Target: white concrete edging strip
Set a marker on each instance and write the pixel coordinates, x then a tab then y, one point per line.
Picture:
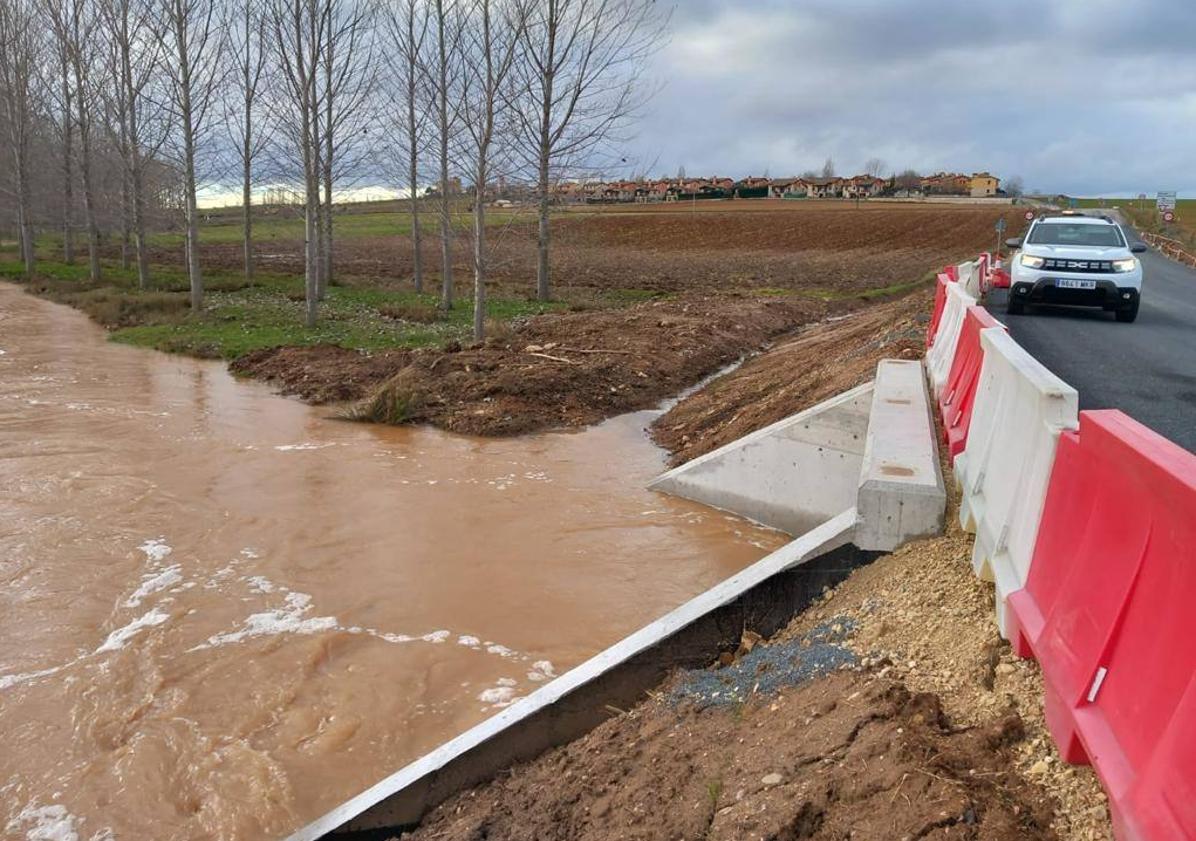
901	493
405	796
1020	409
791	475
942	353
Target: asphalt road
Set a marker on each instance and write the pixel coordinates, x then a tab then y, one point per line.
1146	369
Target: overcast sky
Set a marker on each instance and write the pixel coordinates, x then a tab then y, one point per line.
1085	97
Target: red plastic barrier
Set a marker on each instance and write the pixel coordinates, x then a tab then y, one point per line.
959	393
1108	611
1001	279
952	273
940	303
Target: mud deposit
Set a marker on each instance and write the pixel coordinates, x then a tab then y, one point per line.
223	613
850	755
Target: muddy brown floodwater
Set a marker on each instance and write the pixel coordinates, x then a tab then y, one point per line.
223	612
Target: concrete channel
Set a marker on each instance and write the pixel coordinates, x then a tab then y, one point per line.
850	478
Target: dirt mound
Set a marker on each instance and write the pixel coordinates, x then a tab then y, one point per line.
846	756
321	373
573	369
824	360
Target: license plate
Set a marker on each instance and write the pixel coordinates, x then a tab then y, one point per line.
1069	283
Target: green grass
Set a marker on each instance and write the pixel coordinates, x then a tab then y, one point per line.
237	319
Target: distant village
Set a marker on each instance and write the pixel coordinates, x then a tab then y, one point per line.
908	185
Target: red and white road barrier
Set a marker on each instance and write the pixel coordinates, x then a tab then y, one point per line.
1086	522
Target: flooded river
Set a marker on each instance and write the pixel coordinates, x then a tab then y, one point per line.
222	612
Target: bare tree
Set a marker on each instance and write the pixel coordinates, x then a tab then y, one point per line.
298	27
494	31
61	93
189	33
442	69
19	57
347	68
581	81
75	26
875	167
406	28
1014	187
908	179
248	47
828	168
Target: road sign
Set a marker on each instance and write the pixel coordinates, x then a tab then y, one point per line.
1029	215
1168	216
1166	201
1001	225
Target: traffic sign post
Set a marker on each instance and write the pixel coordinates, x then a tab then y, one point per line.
1000	230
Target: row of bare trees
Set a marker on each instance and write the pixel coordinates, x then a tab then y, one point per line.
315	94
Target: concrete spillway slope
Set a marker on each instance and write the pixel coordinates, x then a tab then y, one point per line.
872	447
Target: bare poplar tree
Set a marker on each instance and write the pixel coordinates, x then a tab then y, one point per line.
61	93
405	30
443	66
248	32
492	35
75	26
188	31
347	69
581	82
19	56
136	55
298	27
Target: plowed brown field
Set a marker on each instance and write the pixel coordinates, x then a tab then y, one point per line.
820	248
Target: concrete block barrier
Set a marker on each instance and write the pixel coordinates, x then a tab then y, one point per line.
901	495
940	301
942	354
1019	410
792	475
959	393
1107	610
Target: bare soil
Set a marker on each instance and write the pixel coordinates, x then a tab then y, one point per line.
828	246
820	361
851	755
575	369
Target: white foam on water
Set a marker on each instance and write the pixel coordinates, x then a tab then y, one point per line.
500	650
288	620
436	636
468	641
9	681
156	549
118	638
51	823
153	583
286	448
500	695
542	670
260	584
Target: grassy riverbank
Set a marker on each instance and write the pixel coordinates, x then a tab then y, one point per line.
238	318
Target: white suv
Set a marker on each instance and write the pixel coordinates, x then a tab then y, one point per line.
1078	261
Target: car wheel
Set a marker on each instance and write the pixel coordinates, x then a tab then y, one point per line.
1015	306
1127	315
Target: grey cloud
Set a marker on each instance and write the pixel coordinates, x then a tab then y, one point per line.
1083	96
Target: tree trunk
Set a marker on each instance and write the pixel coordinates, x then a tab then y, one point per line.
326	228
89	208
543	290
126	199
312	253
247	204
417	235
479	253
24	222
68	181
446	217
192	214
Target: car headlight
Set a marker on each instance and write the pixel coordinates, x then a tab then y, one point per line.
1126	265
1032	262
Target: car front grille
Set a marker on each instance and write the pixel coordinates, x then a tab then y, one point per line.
1089	266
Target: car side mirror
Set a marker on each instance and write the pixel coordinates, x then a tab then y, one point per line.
1014	243
1138	247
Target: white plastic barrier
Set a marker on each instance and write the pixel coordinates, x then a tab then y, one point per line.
969	278
1020	409
942	352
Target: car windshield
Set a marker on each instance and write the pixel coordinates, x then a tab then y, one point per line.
1075	233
